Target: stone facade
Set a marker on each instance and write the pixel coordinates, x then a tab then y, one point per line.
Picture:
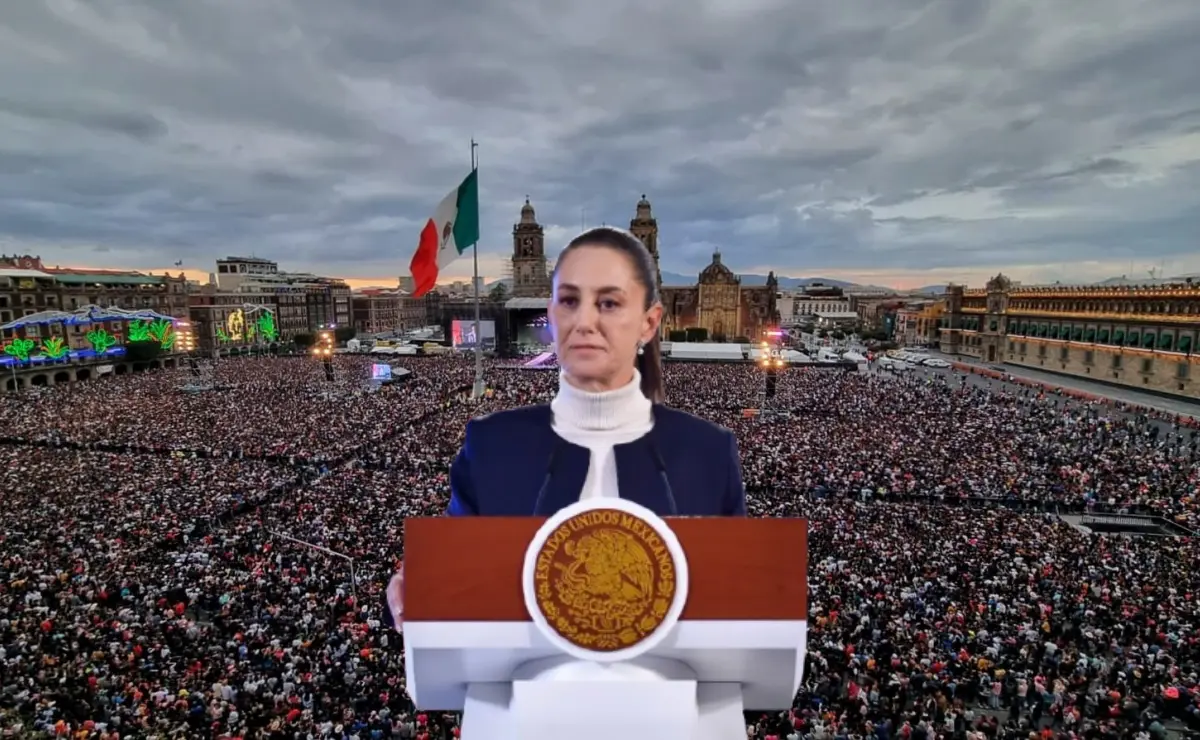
718	302
530	276
645	227
1141	336
376	311
28	287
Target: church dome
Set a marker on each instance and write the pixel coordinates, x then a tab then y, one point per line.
717	272
527	214
643	208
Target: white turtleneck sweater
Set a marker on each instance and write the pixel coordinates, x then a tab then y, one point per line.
599	422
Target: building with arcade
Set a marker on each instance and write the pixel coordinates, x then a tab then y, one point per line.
1137	334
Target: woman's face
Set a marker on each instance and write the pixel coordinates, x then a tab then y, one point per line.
598	316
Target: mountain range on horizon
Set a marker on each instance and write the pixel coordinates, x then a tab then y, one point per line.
675	278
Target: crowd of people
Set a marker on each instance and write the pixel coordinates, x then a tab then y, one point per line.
178	565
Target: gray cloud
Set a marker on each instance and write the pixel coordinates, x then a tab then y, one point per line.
855	136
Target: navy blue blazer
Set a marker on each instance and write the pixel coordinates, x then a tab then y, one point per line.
512	463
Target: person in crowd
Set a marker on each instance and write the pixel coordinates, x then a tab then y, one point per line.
210	565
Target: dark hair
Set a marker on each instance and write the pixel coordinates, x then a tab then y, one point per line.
645	271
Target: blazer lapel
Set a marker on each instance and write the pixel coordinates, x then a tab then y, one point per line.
567	476
567	469
638	477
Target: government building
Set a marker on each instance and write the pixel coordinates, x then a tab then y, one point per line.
718	303
1139	335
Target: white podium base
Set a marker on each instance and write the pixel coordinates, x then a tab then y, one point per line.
556	698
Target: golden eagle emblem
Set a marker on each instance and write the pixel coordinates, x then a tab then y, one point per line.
604	580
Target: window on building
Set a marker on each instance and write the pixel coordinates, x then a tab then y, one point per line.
1147	365
1183	370
1041	350
1089	357
1064	353
1116	362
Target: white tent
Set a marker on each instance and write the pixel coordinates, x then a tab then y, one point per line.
795	357
706	351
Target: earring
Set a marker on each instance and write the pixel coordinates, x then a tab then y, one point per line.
641	348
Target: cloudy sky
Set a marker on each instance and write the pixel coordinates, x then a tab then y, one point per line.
904	142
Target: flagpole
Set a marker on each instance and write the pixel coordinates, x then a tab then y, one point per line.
477	390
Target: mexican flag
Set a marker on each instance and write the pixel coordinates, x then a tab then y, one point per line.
453	229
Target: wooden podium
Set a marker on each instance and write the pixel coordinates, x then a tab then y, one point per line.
471	644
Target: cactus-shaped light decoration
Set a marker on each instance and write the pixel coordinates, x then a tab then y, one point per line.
266	326
162	332
139	331
54	348
100	340
221	335
20	348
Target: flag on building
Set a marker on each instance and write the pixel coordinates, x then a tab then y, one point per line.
452	230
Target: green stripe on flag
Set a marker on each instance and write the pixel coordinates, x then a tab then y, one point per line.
466	221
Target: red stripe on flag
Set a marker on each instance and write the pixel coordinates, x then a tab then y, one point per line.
424	265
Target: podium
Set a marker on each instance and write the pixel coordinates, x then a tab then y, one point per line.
477	641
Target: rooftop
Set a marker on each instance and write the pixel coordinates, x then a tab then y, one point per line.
104	278
17	274
254	260
526	304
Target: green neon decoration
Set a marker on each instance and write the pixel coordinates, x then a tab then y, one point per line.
20	348
101	340
161	332
54	348
266	326
221	335
139	331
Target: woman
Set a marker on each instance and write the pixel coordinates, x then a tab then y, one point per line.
605	434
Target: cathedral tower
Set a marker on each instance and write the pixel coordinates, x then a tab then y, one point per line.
530	278
645	227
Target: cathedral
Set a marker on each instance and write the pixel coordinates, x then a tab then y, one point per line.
718	302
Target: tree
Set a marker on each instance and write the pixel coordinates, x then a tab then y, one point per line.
697	334
741	340
344	334
498	293
677	335
839	335
304	340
